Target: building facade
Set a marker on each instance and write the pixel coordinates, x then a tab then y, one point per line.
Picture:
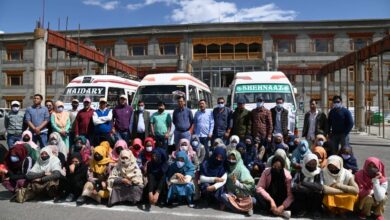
211	52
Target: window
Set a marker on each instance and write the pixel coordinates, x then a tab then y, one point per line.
14	79
368	71
49	53
169	49
70	74
14	54
241	48
193	99
351	74
254	48
332	77
284	45
49	77
113	96
199	48
227	48
213	48
138	49
106	50
322	45
358	43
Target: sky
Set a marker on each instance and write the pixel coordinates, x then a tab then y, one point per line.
21	15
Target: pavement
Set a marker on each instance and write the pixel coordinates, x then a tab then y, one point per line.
363	146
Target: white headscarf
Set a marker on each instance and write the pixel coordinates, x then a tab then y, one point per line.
342	177
49	165
61	144
309	176
233	138
282	153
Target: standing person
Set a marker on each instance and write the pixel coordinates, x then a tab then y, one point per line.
72	116
223	121
121	116
160	126
83	122
102	120
315	122
183	121
373	185
340	124
262	125
50	107
241	120
60	123
13	124
140	122
204	125
280	118
37	118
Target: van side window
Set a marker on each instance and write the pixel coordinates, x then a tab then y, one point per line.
193	99
201	94
113	96
209	100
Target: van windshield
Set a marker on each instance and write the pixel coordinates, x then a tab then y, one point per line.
269	92
168	94
79	93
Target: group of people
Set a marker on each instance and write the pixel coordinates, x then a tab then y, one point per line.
241	160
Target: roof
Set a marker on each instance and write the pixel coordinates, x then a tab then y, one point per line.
105	79
172	78
260	76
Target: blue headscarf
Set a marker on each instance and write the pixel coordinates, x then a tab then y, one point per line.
244	155
300	152
187	169
160	165
212	167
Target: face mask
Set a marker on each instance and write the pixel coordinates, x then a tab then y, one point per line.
310	168
15	109
97	157
179	164
54	142
44	158
259	104
160	110
149	149
184	148
118	150
234	145
372	172
276	172
345	156
278	141
14	159
334	171
75	106
320	143
60	109
221	105
232	161
337	105
26	138
218	162
77	147
194	143
279	146
141	109
137	147
248	145
279	106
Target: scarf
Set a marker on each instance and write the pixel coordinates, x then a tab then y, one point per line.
148	155
114	154
364	181
49	165
212	167
138	142
60	118
218	142
277	187
188	169
309	176
321	152
61	144
99	167
282	153
30	142
342	177
158	166
301	151
190	152
240	171
21	152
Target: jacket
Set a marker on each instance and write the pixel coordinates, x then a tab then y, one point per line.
262	125
321	124
241	123
340	121
13	122
134	123
283	120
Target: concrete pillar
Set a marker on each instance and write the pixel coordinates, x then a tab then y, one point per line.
360	97
324	94
40	38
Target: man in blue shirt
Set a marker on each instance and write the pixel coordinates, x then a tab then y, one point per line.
37	117
204	125
340	124
102	119
182	119
223	121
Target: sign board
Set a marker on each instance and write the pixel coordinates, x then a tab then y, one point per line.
258	88
93	91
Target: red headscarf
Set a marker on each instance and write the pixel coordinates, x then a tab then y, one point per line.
364	181
20	151
120	143
148	155
138	142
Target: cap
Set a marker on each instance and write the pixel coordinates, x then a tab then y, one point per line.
102	100
259	99
241	101
87	100
15	103
123	96
75	100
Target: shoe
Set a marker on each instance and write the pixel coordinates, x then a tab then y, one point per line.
250	212
57	199
316	215
191	205
80	200
301	213
70	198
287	214
380	217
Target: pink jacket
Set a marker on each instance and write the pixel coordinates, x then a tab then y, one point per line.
265	181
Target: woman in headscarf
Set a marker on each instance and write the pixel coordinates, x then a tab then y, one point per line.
184	145
319	141
307	188
349	159
56	139
233	141
340	188
118	147
199	148
179	177
146	155
239	185
99	168
82	146
44	176
280	153
76	177
244	155
298	154
274	189
18	163
218	142
320	152
155	173
125	182
373	184
213	175
60	122
27	139
278	143
137	147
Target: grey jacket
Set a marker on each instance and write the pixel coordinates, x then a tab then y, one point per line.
13	122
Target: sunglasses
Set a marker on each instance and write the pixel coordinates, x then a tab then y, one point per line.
221	102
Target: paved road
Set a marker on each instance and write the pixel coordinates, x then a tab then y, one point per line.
364	146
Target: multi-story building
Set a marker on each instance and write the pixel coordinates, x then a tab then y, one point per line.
212	52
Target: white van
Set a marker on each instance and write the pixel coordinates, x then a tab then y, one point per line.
166	87
268	85
96	87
